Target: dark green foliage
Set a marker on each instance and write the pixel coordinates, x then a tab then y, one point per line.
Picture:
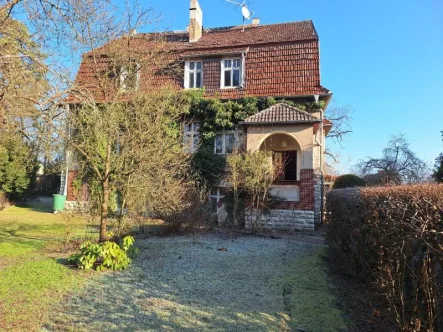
208	166
235	204
348	181
16	165
104	255
438	172
216	114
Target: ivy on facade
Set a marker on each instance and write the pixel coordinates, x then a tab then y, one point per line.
215	114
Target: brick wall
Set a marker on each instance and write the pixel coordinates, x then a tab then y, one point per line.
307	193
72	194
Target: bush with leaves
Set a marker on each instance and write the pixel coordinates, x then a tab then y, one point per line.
250	174
104	255
348	181
16	165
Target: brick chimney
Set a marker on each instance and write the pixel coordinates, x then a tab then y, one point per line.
195	22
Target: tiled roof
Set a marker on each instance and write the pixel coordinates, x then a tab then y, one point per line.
233	36
281	60
281	113
253	35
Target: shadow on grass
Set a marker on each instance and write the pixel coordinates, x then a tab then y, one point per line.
37	206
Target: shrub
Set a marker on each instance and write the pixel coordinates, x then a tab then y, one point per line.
348	181
250	175
194	218
105	255
392	237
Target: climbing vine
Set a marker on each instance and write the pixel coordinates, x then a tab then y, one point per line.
214	115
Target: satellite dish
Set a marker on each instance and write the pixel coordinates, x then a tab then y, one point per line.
245	12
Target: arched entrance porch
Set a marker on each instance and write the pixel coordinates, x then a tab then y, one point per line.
286	156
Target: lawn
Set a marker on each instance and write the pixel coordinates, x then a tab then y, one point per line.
31	276
216	282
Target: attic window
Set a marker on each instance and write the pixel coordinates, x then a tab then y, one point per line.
232	73
193	75
130	76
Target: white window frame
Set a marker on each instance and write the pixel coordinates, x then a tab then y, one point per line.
241	69
218	196
223	133
124	75
188	70
189	135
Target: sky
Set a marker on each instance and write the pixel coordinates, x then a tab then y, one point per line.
383	58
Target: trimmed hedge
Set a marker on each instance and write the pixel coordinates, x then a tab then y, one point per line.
393	238
348	181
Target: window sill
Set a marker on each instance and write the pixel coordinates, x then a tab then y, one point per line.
231	88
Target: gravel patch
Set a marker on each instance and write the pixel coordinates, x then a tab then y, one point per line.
214	283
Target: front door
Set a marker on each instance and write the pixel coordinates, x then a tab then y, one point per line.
285	163
291	165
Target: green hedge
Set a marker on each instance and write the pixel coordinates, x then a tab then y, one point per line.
393	238
348	181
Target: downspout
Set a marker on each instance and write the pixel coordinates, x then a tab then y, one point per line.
321	145
65	189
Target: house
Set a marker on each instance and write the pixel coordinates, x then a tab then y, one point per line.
277	60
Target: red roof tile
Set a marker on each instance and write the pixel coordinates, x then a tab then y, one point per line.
281	113
281	60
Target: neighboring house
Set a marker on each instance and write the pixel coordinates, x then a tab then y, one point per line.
277	60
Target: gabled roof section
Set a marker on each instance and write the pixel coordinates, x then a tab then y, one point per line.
281	113
225	37
254	35
281	60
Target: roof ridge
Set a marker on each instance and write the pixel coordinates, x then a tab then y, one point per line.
228	28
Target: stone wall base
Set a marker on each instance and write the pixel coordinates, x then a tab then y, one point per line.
282	220
75	206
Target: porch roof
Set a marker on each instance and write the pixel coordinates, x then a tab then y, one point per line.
280	113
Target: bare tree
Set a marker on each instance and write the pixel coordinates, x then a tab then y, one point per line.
397	165
340	117
125	131
251	173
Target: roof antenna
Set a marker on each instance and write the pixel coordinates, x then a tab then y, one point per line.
244	10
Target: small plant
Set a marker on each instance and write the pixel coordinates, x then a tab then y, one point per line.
105	255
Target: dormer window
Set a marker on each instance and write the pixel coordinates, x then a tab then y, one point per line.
193	75
231	73
130	76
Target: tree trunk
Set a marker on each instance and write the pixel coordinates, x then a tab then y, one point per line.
105	200
104	210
